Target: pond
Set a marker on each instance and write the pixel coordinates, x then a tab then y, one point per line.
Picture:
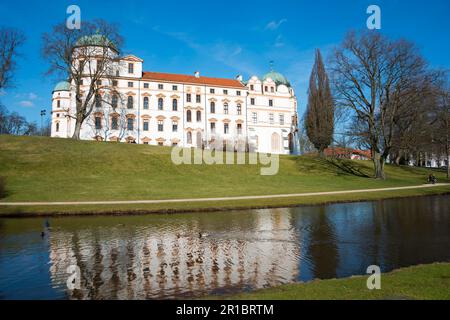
198	254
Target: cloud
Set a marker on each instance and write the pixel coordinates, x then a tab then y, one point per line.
274	25
32	96
279	42
26	103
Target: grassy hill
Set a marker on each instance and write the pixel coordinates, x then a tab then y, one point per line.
44	169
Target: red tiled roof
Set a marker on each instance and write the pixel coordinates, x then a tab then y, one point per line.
182	78
338	151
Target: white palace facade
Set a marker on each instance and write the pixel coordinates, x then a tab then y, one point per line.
184	110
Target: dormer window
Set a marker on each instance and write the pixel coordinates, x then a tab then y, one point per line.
272	89
266	89
252	87
130	68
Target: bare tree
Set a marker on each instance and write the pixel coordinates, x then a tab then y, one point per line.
88	57
319	120
378	80
10	40
441	124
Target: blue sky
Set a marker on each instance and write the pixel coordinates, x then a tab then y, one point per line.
221	38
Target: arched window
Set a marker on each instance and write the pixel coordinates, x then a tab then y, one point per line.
213	107
98	101
199	116
225	108
57	127
239	109
114	101
130	102
189	137
174	104
189	116
145	102
276	143
58	104
160	103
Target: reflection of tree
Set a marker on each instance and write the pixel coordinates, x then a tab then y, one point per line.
323	250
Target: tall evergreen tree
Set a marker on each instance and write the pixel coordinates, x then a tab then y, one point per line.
319	119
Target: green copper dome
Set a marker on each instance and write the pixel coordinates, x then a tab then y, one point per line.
62	86
95	40
278	78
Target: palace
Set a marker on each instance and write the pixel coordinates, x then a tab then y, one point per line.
185	110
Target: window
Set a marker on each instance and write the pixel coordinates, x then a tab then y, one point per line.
198	99
114	123
225	108
99	64
99	82
271	120
189	137
130	102
114	101
174	126
160	104
199	116
226	128
238	93
130	124
272	89
188	97
130	84
81	82
212	107
225	91
213	127
239	109
174	104
252	87
57	127
145	103
281	119
98	123
160	143
115	83
117	73
160	86
98	101
174	88
58	104
57	115
239	128
130	68
266	89
254	117
160	125
189	116
252	101
270	103
146	85
145	125
212	91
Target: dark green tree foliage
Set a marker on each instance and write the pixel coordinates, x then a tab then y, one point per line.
319	118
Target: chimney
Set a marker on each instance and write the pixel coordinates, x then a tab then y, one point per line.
239	77
197	74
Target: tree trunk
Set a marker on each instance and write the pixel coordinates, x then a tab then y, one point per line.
378	162
76	133
322	154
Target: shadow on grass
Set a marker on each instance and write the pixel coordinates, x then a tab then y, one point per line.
3	192
348	167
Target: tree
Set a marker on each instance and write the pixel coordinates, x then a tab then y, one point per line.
88	57
319	120
441	123
10	40
378	80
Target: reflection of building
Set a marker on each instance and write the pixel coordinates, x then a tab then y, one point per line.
174	109
145	262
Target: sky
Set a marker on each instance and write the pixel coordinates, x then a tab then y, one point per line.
221	38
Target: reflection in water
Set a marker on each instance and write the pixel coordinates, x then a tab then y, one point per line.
189	255
175	259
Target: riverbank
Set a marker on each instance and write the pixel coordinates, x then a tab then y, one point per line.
421	282
39	169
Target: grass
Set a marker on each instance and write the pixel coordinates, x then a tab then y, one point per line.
422	282
43	169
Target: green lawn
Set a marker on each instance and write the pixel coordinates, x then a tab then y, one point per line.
44	169
419	282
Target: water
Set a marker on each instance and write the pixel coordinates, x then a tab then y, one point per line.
192	255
